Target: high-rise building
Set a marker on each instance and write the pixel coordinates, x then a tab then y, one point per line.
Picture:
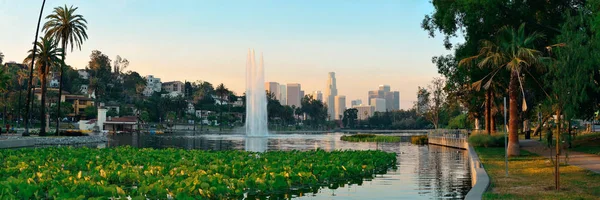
396	104
364	111
392	98
283	94
293	94
355	102
301	96
330	93
317	95
340	106
378	104
384	88
273	89
372	94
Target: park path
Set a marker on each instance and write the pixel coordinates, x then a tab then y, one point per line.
584	160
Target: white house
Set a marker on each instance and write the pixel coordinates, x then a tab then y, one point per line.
153	85
83	74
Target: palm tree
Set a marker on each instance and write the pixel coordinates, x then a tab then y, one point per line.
513	50
68	28
47	55
223	93
1	58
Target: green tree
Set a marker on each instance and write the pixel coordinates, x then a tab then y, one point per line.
222	92
47	56
67	28
350	116
90	112
65	109
99	69
514	51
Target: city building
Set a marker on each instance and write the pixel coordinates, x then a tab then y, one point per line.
396	99
330	94
283	94
340	106
293	94
384	88
301	95
392	98
378	104
152	85
317	95
273	89
174	88
364	111
355	102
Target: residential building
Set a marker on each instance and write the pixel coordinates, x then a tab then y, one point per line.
317	95
293	94
174	88
152	85
80	103
355	103
283	94
340	106
378	104
330	93
273	89
83	89
120	124
364	111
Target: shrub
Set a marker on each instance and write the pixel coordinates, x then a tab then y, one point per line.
419	140
484	140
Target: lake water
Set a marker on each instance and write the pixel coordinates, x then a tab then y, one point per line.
423	172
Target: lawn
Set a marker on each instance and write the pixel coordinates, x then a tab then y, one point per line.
588	143
83	173
531	177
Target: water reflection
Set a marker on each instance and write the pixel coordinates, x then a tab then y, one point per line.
423	172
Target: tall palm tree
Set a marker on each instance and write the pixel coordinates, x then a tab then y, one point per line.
514	51
223	93
70	29
47	55
1	58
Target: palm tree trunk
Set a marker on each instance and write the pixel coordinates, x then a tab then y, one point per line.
29	99
43	105
60	84
487	112
513	123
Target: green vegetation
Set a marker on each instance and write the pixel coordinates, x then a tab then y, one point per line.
419	140
369	138
589	143
485	140
531	175
53	173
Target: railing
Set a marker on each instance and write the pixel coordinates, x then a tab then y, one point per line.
448	133
455	138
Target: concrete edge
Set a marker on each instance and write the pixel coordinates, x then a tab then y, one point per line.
480	180
10	144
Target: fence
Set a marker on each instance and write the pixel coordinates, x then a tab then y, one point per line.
456	138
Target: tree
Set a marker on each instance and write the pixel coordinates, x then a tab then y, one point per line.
350	116
99	68
4	80
1	58
513	50
67	28
47	55
222	92
65	109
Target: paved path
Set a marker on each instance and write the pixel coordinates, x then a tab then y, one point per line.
584	160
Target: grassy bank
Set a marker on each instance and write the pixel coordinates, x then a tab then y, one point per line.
588	143
531	177
66	173
369	138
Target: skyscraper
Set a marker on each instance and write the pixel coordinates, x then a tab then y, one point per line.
293	94
301	95
330	93
392	98
317	95
379	104
355	102
384	88
283	94
396	104
340	106
373	94
273	89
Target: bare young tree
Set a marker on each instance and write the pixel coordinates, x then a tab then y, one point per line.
431	100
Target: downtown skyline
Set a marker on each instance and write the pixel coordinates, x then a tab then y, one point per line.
376	48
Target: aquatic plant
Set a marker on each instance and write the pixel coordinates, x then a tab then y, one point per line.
84	173
369	138
419	140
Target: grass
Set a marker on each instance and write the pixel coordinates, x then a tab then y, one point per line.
531	177
370	138
588	143
83	173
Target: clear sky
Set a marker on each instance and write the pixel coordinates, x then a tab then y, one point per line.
367	43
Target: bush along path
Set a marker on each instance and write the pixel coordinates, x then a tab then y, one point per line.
83	173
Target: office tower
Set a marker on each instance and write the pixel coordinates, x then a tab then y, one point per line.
340	106
317	95
378	104
355	102
384	88
330	93
389	100
396	104
293	94
372	94
364	111
283	94
301	96
273	89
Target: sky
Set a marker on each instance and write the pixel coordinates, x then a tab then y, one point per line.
366	43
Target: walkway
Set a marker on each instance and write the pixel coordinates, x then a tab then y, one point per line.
584	160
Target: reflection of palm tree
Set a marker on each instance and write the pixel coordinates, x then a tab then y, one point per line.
513	51
67	28
47	55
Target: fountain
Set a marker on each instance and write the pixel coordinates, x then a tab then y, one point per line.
256	98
